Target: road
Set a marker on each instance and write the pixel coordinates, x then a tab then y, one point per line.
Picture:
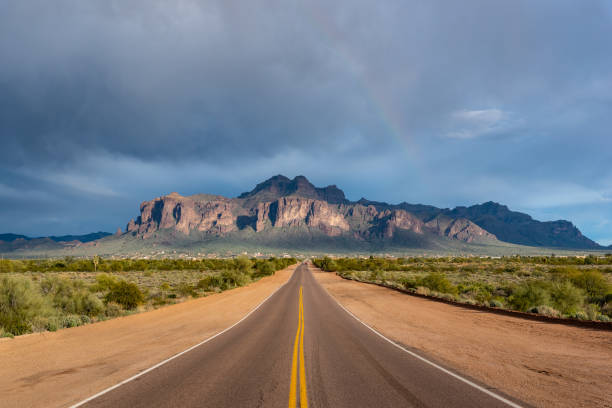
299	348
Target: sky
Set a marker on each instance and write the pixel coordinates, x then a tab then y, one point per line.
105	104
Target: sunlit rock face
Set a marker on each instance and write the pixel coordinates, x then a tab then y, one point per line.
281	205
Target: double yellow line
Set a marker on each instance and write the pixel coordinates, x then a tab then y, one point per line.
299	341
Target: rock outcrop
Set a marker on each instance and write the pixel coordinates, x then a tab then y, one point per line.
281	204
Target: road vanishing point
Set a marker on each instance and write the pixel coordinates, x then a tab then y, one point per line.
299	348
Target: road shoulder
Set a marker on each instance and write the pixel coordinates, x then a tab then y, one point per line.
548	365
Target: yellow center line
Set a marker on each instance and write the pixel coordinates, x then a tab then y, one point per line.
298	343
303	395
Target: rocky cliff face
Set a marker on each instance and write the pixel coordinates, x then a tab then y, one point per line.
284	204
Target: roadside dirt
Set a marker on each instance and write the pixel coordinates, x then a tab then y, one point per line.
544	364
62	368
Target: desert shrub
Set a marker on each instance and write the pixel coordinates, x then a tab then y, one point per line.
71	321
438	283
408	283
592	311
232	279
327	264
185	290
210	282
607	309
546	311
446	296
479	291
112	309
243	264
71	296
53	324
529	295
495	303
126	294
4	333
579	315
263	269
565	297
422	290
104	282
592	282
376	275
20	303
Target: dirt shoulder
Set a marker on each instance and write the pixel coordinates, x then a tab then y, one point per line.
544	364
64	367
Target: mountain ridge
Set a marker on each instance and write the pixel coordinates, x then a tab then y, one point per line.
293	214
280	202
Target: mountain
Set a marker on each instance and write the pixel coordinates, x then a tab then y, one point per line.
13	242
292	214
298	208
519	228
63	238
282	206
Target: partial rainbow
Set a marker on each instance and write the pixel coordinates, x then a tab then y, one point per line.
385	109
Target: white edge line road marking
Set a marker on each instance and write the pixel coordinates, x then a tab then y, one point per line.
431	363
85	401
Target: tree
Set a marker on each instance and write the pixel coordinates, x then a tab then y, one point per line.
96	262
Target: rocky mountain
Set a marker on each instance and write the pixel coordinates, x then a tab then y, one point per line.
283	205
293	214
519	228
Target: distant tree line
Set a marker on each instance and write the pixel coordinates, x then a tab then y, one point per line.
98	264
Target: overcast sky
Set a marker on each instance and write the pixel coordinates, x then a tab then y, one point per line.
104	104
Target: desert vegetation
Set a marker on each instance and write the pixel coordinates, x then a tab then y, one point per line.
49	294
569	287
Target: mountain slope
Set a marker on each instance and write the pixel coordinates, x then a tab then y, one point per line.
519	228
282	204
293	214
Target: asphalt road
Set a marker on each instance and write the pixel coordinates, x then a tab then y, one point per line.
300	348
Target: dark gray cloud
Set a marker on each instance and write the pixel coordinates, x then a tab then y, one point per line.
107	103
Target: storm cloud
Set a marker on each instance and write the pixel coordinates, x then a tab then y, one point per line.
104	104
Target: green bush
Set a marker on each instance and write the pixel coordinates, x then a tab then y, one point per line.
71	296
71	321
126	294
546	311
326	264
232	279
496	303
212	282
593	282
565	297
263	269
112	310
529	295
243	264
438	282
20	303
185	290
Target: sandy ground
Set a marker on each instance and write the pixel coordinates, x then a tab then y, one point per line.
62	368
547	365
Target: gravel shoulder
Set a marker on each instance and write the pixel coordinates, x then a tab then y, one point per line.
544	364
64	367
